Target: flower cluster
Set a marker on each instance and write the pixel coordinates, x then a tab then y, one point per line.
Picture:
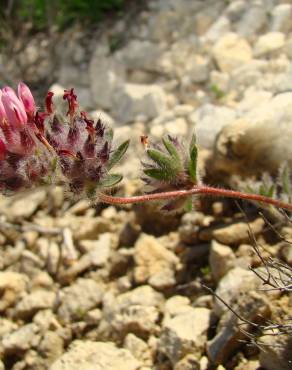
44	147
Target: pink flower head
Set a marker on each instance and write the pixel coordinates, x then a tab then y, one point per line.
2	110
27	99
14	108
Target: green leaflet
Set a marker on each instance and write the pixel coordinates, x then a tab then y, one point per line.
170	147
285	179
118	154
111	180
193	159
165	162
158	174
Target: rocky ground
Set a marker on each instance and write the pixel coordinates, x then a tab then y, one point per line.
94	287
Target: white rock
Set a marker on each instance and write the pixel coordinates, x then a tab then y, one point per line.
26	205
136	311
78	298
217	30
197	68
281	18
21	339
35	301
154	263
231	51
268	43
133	99
141	54
274	357
209	120
232	285
87	355
12	285
252	20
185	333
106	74
221	259
138	348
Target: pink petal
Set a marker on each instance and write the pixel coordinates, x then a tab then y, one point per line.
14	108
26	97
2	110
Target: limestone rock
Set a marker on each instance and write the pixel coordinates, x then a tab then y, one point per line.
136	311
106	75
25	206
138	348
132	100
230	51
281	18
154	263
230	330
264	131
78	298
233	234
276	354
51	346
268	43
87	355
33	302
141	55
221	259
21	339
12	285
233	285
209	121
185	333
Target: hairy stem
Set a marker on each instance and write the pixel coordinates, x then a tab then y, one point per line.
196	190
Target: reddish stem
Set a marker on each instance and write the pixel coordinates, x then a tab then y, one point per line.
199	189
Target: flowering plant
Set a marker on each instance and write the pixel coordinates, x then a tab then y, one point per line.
45	147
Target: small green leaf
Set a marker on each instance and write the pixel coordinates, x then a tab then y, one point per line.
158	174
163	161
170	147
188	206
193	159
286	185
270	191
111	180
118	154
263	190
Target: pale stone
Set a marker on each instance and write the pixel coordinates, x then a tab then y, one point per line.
281	18
12	285
231	51
78	298
35	301
88	355
221	259
154	263
184	333
268	43
106	75
133	99
209	120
